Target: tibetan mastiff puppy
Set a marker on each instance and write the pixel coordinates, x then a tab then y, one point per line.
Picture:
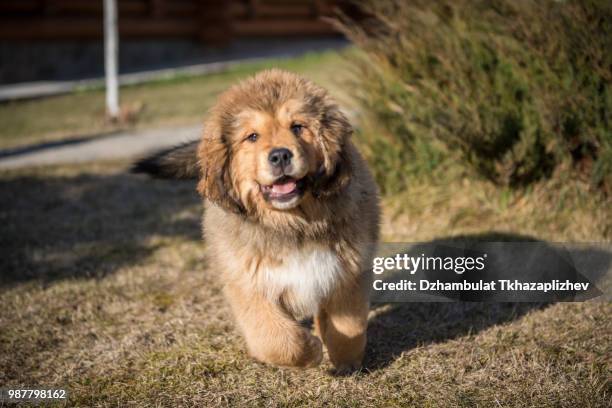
291	217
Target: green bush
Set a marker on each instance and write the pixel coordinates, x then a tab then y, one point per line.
516	90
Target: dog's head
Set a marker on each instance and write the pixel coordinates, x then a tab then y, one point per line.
271	142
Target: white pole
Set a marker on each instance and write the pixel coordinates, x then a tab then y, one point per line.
111	57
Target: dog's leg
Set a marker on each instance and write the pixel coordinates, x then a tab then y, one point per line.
272	335
342	325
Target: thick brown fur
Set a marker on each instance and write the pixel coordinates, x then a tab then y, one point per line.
279	262
178	162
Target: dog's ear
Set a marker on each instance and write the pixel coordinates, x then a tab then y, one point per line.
214	158
334	134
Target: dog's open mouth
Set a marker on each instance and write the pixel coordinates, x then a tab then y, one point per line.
283	189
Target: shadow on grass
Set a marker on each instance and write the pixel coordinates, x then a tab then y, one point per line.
404	326
88	225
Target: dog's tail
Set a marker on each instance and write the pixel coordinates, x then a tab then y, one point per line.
178	162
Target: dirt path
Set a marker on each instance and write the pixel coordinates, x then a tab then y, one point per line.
118	145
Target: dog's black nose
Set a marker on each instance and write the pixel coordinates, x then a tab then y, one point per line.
280	157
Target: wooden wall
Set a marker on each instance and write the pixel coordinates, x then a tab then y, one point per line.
210	21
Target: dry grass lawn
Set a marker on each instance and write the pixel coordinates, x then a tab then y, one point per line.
181	100
104	292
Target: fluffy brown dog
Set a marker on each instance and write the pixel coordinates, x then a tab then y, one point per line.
291	217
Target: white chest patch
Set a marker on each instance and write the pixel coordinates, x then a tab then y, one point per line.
307	277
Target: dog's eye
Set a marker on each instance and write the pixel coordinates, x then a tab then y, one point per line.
252	137
296	129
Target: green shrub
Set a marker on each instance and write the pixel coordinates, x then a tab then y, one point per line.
516	90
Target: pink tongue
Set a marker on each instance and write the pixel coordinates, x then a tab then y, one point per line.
284	188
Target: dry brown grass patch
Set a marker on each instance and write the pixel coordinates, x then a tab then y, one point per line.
104	292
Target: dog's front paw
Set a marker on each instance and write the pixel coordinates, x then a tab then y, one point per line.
295	349
347	359
346	367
